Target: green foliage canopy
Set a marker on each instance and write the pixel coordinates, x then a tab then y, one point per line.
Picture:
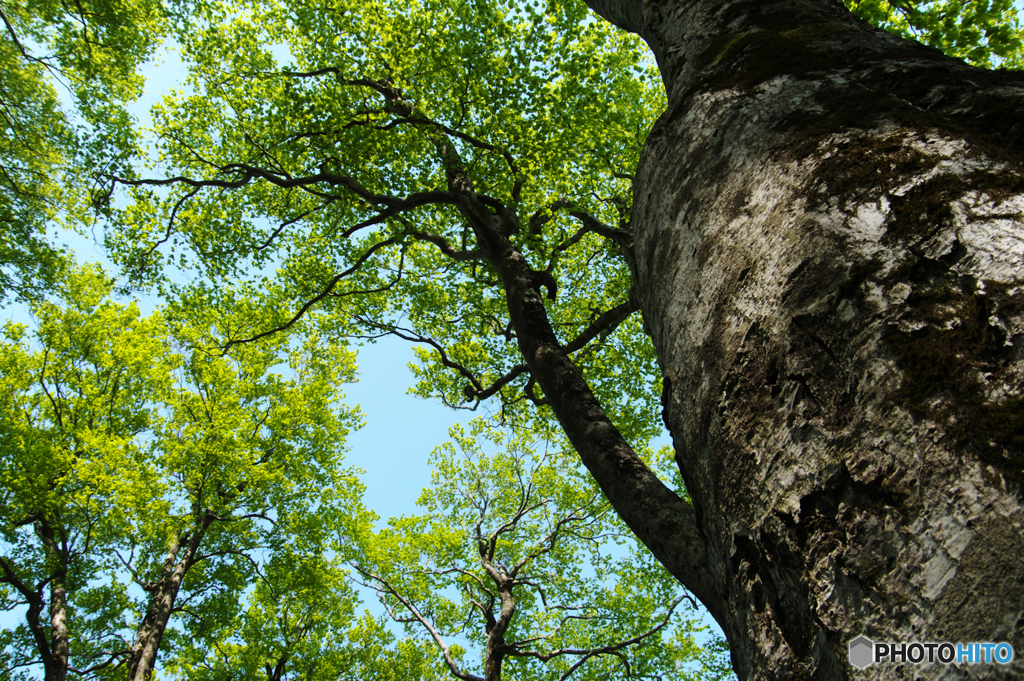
130	454
90	50
313	151
985	33
299	622
519	556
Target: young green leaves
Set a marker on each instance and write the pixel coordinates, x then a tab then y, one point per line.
148	478
519	564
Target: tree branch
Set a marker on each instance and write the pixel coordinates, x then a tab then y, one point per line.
603	325
591	224
395	103
434	634
474	392
315	299
587	653
115	656
146	586
445	247
663	521
413	337
544	215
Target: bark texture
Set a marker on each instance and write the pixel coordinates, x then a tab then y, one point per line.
830	261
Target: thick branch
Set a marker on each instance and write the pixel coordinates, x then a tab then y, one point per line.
546	214
604	324
626	14
35	608
445	247
665	523
592	224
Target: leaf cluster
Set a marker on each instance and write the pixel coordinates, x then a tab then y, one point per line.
985	33
124	438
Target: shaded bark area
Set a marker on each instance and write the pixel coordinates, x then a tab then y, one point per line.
830	261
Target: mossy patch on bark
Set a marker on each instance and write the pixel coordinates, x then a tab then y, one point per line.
746	59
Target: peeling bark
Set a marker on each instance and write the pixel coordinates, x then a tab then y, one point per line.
829	228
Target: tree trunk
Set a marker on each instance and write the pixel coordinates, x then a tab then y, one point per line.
830	248
57	653
60	650
55	667
494	655
180	558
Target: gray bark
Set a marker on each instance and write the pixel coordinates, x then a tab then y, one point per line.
830	248
54	657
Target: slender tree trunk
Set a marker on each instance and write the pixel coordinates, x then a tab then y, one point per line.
56	657
181	556
54	667
830	261
60	648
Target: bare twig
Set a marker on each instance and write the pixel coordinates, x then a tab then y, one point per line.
417	616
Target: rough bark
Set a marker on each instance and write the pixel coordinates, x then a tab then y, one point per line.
829	246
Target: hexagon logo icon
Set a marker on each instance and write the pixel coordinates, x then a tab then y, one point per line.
861	652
